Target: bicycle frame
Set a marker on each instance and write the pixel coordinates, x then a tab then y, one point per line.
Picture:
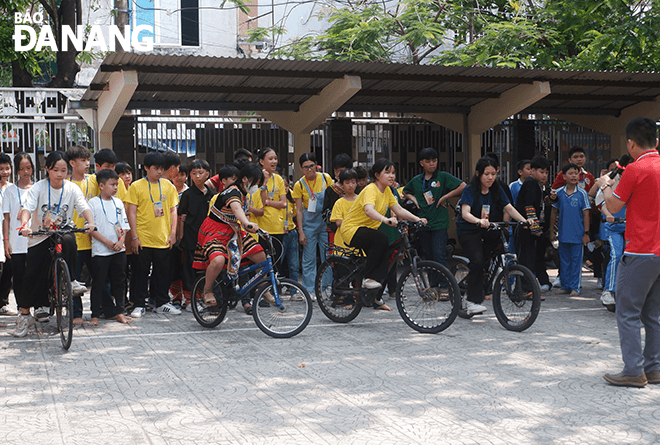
264	268
499	262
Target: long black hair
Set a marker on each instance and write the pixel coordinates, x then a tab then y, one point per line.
475	182
251	172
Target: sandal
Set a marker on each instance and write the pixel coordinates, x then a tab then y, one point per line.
248	309
209	301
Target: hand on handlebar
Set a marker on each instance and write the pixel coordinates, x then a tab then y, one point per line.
252	228
483	223
609	219
392	221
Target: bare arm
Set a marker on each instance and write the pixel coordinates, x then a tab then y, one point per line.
458	191
242	217
5	232
402	213
585	238
553	220
412	198
171	240
132	222
299	221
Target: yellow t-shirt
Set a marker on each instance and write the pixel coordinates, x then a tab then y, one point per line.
273	219
300	191
339	212
90	190
153	231
357	218
254	200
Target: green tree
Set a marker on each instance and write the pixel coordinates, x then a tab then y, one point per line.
567	34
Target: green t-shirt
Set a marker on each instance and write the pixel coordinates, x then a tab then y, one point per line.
439	185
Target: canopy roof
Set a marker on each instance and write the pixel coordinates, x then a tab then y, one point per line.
179	82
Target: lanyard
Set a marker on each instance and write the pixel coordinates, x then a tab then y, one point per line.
59	203
482	199
424	182
160	192
116	212
312	196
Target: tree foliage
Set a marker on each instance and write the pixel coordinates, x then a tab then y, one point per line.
566	34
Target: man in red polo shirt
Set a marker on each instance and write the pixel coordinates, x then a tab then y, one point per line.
638	278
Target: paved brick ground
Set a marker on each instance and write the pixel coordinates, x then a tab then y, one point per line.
166	380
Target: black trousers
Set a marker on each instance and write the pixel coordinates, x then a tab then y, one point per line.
476	246
12	275
531	254
375	244
37	280
114	268
188	274
158	262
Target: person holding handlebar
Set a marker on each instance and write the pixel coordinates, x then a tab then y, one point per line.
360	227
481	198
50	204
222	238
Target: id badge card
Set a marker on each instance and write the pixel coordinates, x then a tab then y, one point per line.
158	209
485	211
428	195
311	206
271	195
286	224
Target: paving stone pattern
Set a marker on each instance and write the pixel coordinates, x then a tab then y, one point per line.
166	380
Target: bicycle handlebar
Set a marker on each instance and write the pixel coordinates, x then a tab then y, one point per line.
402	224
506	224
62	231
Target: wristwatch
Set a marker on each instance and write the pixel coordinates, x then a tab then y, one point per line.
604	186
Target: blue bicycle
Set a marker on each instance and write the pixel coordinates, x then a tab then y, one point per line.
282	308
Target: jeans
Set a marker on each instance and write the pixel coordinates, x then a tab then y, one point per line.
291	244
433	245
637	303
314	239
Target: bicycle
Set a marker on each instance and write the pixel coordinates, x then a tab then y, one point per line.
60	294
516	292
278	320
427	295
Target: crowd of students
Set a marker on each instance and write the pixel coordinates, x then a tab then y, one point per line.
155	235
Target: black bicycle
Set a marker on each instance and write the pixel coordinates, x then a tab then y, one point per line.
427	295
59	292
516	292
282	307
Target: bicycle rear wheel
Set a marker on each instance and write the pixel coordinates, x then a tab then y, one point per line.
340	300
516	298
433	306
207	316
289	319
64	303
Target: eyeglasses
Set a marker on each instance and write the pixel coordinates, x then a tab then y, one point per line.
309	167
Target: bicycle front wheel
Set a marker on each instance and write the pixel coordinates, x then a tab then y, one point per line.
516	298
289	319
64	305
339	300
428	302
207	315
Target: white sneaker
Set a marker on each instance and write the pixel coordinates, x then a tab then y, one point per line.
6	310
368	283
557	282
77	288
138	312
545	288
42	314
168	308
607	298
474	308
23	322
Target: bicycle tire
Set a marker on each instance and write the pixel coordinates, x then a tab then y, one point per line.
64	305
207	316
437	308
290	319
517	304
340	301
460	269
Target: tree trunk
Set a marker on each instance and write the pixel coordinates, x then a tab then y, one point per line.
121	19
67	67
19	76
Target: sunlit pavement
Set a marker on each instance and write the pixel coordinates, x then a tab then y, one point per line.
166	380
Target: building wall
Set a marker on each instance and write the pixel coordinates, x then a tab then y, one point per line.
217	27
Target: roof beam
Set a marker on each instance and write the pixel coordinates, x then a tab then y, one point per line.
397	76
211	105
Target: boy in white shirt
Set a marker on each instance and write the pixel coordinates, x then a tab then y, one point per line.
108	252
